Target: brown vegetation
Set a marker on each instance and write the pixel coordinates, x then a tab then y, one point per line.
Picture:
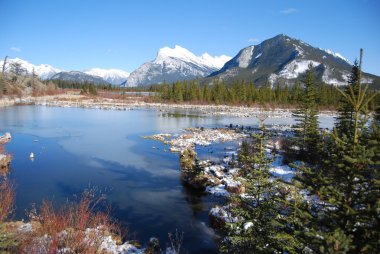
7	197
76	226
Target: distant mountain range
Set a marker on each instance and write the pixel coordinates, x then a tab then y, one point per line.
96	75
283	59
78	76
280	59
172	64
112	76
44	71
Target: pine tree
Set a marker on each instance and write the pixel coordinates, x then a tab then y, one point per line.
258	228
345	118
344	216
306	130
207	93
177	92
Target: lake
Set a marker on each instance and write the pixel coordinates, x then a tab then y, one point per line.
76	148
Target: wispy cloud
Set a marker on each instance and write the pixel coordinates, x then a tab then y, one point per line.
253	40
289	11
15	49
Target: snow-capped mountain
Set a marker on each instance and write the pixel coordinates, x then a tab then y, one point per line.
282	59
78	76
172	64
44	71
112	76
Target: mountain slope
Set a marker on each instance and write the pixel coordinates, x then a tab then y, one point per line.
77	76
172	64
284	59
43	71
112	76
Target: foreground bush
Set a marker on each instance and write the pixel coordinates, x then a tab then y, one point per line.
7	197
76	227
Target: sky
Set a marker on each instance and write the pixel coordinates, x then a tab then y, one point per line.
78	35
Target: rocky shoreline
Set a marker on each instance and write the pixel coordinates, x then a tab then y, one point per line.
80	101
222	179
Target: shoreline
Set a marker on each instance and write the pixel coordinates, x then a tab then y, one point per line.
79	101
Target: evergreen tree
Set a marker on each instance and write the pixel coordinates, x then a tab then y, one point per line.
345	119
92	89
306	130
257	227
207	93
344	217
177	92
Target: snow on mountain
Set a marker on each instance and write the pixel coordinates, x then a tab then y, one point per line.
284	60
172	64
112	76
296	67
328	51
216	61
245	57
78	76
44	71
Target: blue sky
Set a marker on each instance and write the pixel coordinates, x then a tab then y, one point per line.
77	35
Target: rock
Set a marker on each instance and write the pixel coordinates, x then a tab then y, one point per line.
236	189
234	186
5	138
220	215
153	246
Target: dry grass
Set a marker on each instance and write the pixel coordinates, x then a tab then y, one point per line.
76	226
7	198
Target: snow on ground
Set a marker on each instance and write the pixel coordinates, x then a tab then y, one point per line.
109	245
219	190
223	213
247	225
278	168
196	136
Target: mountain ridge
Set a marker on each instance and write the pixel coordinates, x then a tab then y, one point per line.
173	64
78	76
280	59
284	59
46	71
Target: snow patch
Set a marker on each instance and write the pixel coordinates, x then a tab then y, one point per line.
247	225
245	57
296	67
337	55
219	190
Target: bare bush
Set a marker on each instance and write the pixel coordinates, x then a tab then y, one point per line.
175	241
7	198
76	226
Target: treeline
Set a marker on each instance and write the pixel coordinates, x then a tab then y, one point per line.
244	93
79	85
106	87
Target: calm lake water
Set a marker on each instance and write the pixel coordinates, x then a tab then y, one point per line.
76	148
